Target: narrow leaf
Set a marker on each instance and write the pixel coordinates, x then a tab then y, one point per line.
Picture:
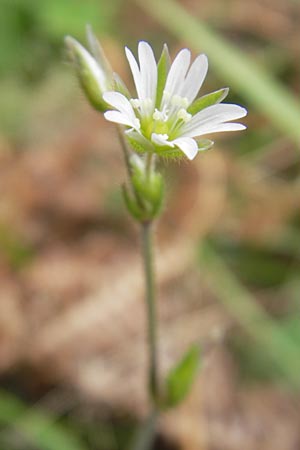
181	378
36	426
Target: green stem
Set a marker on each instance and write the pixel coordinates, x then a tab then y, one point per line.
125	149
146	435
147	247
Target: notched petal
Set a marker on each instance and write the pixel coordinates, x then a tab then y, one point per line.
195	78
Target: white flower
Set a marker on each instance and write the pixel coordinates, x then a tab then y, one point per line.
165	117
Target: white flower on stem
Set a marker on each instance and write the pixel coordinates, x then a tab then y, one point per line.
166	117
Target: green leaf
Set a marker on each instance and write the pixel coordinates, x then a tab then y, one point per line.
13	248
278	346
208	100
162	72
36	426
181	377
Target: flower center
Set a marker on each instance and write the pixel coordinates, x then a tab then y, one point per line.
166	121
183	115
143	107
173	114
179	101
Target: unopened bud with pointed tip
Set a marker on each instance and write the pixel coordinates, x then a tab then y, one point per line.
94	75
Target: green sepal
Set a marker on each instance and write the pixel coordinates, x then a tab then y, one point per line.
180	379
91	88
132	205
204	144
139	143
208	100
162	73
150	191
90	74
145	198
135	144
120	86
148	188
156	193
169	152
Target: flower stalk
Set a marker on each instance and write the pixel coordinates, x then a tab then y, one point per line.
147	252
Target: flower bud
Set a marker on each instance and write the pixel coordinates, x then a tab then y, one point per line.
137	164
145	202
94	75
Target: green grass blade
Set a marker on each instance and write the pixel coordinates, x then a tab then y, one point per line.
276	344
38	427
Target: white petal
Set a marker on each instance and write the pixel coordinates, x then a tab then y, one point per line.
187	145
229	126
135	72
119	101
176	74
118	117
148	71
161	139
195	78
212	116
123	105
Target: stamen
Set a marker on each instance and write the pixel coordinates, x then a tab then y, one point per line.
177	100
137	123
185	102
146	106
147	103
184	115
135	102
161	139
167	95
160	115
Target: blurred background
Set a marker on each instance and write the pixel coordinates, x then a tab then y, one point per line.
72	343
